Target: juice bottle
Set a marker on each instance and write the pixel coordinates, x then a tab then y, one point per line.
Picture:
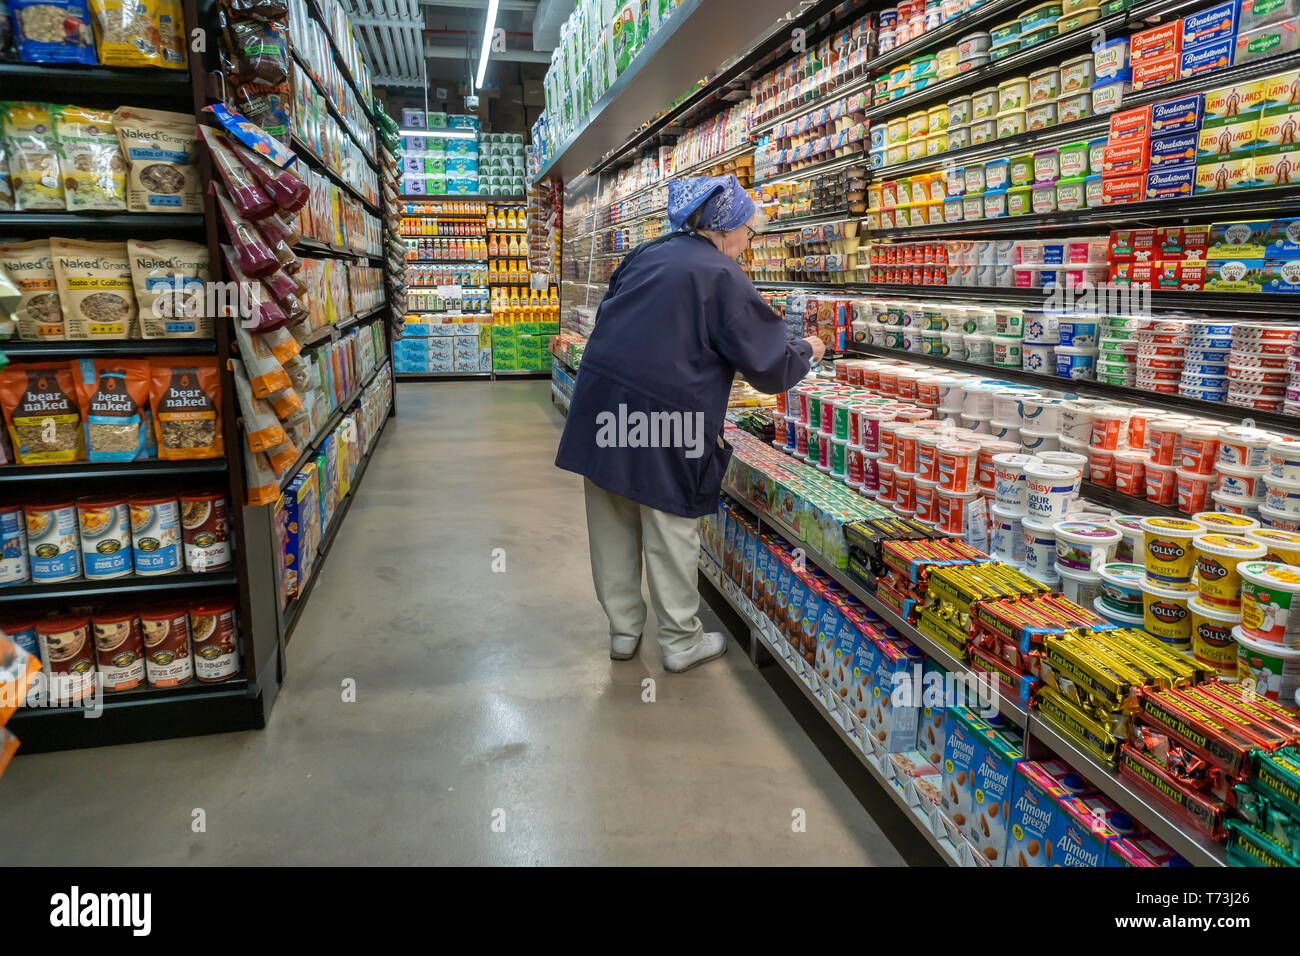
491	219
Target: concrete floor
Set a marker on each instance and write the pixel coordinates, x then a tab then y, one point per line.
481	697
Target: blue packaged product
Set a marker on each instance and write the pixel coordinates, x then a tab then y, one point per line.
1169	152
1282	239
1180	115
1171	183
75	45
1096	149
1208	57
1211	25
1282	275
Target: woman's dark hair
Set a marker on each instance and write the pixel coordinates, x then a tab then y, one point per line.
693	220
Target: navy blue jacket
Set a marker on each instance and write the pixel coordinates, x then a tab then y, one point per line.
677	323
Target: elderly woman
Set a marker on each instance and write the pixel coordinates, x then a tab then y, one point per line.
644	429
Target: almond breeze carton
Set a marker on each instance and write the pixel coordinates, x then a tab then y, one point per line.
998	751
1039	787
894	711
932	731
1084	829
961	750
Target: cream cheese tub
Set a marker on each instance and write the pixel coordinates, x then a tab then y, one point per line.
1117	618
1270	612
1081	587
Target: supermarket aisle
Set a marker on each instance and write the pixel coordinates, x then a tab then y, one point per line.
481	695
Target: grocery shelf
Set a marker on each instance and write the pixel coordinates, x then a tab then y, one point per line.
129	471
293	609
115	225
330	333
693	41
722	157
759	626
308	156
319	17
1079	386
324	248
438	376
18	349
522	373
153	585
821	218
1191	846
1232	204
333	109
312	448
1127	504
857	157
105	84
454	197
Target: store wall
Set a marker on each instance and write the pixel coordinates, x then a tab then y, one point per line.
510	100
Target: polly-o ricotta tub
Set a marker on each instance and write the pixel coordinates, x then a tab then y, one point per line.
1165	615
1282	547
1167	550
1212	640
1217	559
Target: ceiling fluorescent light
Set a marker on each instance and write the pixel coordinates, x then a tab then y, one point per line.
487	42
446	133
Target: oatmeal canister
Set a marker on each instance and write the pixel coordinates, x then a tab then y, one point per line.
205	529
13	546
52	548
156	535
119	650
68	653
1167	551
168	659
213	633
105	525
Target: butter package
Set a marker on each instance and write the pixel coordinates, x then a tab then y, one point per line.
1125	156
1211	25
993	768
1282	276
1155	71
1225	175
1223	142
1157	41
1231	103
1282	92
1184	276
1245	239
1281	239
1179	115
1277	131
1110	59
1038	788
1236	275
1267	41
1208	57
1170	152
1277	169
1131	124
1123	189
1258	13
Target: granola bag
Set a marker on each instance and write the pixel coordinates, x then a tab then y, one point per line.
128	32
33	157
6	187
90	158
170	278
185	395
94	280
114	395
260	479
42	413
161	150
53	31
30	266
171	25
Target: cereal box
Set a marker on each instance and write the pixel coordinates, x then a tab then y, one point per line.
1038	787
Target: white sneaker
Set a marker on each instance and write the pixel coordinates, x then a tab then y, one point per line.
623	648
709	647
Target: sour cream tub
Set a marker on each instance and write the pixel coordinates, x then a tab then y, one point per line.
1282	496
1270	670
1121	587
1167	550
1010	482
958	466
1110	428
958	514
1076	420
1049	491
1245	447
1212	640
1006	536
1270	609
1284	460
1033	441
1076	362
926	499
1243	482
1081	544
1161	483
1040	550
1193	490
1282	547
1165	615
1040	413
1081	587
1237	505
1101	467
986	470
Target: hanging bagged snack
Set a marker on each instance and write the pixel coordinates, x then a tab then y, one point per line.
94	282
255	259
282	456
161	151
33	157
170	277
244	192
257	308
114	394
171	26
127	32
42	413
53	31
264	371
282	345
185	395
262	429
288	407
90	158
30	266
283	185
260	479
16	670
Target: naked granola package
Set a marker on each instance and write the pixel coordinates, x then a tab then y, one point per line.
90	159
161	150
94	281
30	266
42	413
170	278
185	395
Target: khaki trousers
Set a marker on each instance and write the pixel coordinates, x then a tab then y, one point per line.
620	533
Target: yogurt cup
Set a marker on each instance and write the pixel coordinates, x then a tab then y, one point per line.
1217	560
1193	490
1121	587
1167	551
1282	496
1165	615
1270	670
1117	618
1223	523
1081	587
1010	482
1212	641
1006	536
1270	610
1049	490
1245	447
1040	550
1131	544
1239	481
1081	544
1282	547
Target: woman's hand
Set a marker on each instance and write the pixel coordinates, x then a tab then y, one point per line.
818	348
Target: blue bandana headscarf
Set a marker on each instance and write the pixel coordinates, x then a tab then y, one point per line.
724	202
